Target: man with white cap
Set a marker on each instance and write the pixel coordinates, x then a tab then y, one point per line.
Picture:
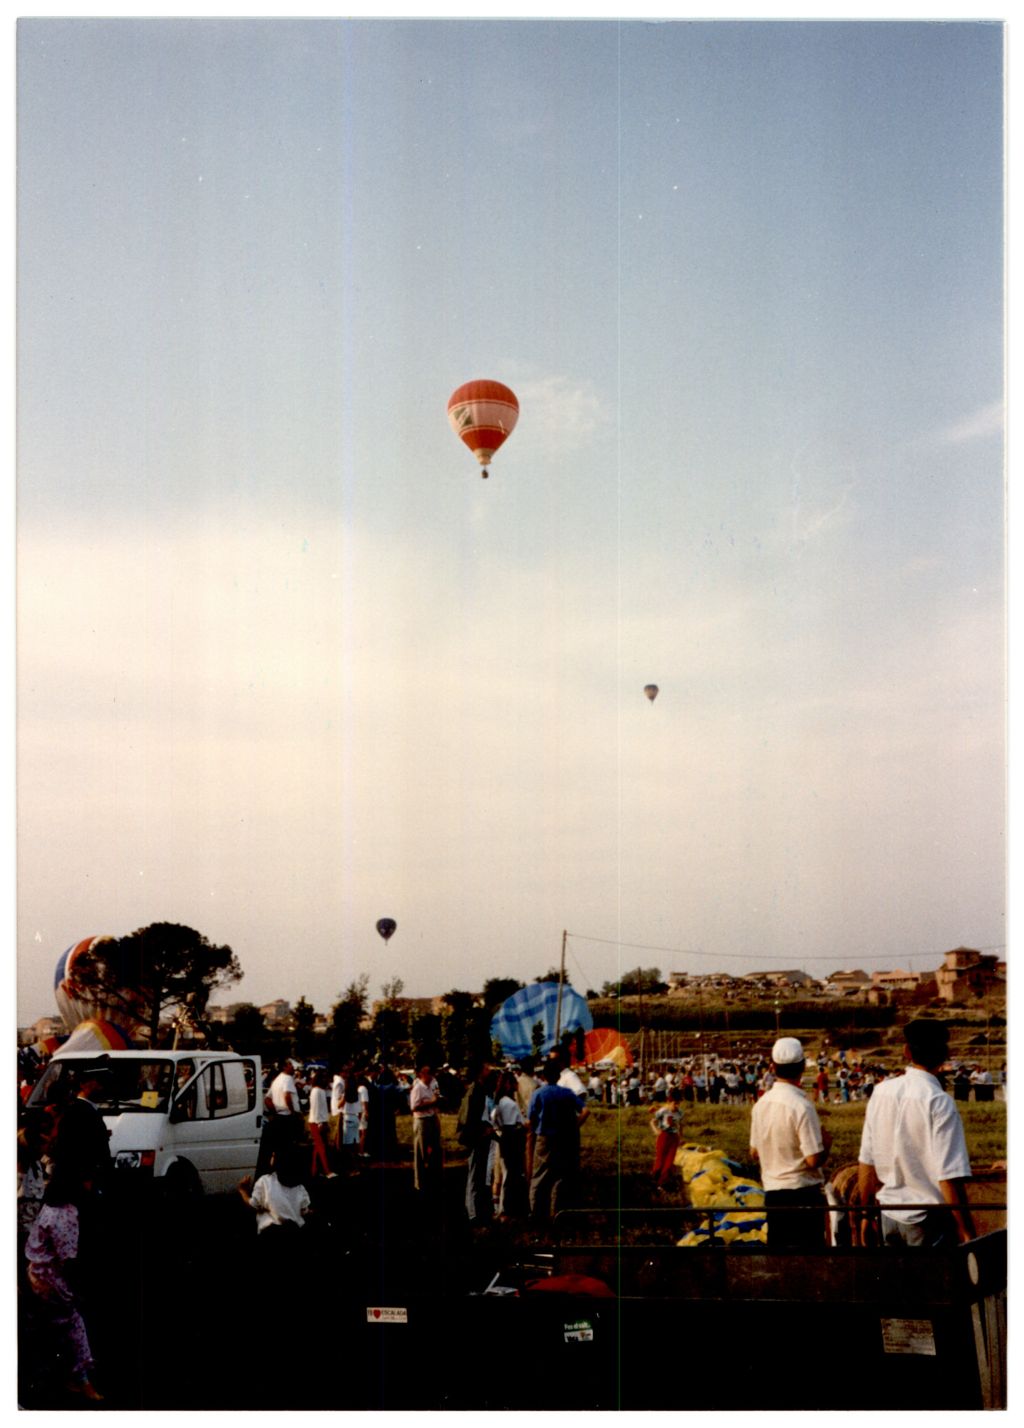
787	1140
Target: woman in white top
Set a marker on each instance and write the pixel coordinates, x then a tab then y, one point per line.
337	1101
353	1117
319	1116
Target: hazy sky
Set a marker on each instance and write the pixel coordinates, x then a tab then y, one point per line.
287	665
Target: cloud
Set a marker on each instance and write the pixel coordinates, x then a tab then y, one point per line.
808	521
564	412
986	421
278	731
922	565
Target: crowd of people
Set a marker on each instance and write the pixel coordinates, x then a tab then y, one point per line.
520	1127
519	1124
836	1078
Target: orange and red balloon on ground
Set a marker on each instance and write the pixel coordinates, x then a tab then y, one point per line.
606	1044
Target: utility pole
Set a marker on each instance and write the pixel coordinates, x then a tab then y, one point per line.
643	1038
561	983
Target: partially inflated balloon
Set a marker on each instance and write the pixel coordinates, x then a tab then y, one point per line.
88	986
514	1023
98	1035
483	414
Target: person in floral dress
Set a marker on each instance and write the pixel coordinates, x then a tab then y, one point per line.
51	1252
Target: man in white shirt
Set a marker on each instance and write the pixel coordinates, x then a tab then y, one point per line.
283	1092
984	1087
567	1076
913	1150
424	1101
282	1126
788	1142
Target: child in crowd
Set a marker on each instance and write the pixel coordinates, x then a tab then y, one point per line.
667	1123
280	1199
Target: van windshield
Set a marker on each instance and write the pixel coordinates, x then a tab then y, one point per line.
130	1085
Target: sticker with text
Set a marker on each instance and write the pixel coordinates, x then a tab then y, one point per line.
579	1332
908	1336
387	1316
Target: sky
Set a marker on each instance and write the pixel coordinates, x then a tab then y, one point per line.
286	665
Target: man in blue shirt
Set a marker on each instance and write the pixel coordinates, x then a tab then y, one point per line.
553	1144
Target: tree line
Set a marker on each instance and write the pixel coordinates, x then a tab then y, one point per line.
162	976
397	1034
160	979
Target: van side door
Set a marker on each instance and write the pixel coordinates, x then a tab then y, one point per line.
217	1122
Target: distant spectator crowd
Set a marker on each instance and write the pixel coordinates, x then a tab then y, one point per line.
835	1078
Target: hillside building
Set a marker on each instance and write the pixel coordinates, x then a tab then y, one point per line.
839	983
967	973
792	978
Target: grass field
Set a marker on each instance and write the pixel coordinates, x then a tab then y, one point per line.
618	1145
625	1141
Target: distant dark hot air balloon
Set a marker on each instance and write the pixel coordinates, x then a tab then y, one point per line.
483	414
386	927
651	690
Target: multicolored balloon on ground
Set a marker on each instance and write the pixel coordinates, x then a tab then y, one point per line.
98	1035
79	995
483	414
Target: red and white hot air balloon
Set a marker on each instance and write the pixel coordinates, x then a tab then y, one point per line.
483	414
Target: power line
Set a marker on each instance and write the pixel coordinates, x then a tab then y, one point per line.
583	976
773	957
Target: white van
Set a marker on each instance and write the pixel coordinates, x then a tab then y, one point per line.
188	1120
